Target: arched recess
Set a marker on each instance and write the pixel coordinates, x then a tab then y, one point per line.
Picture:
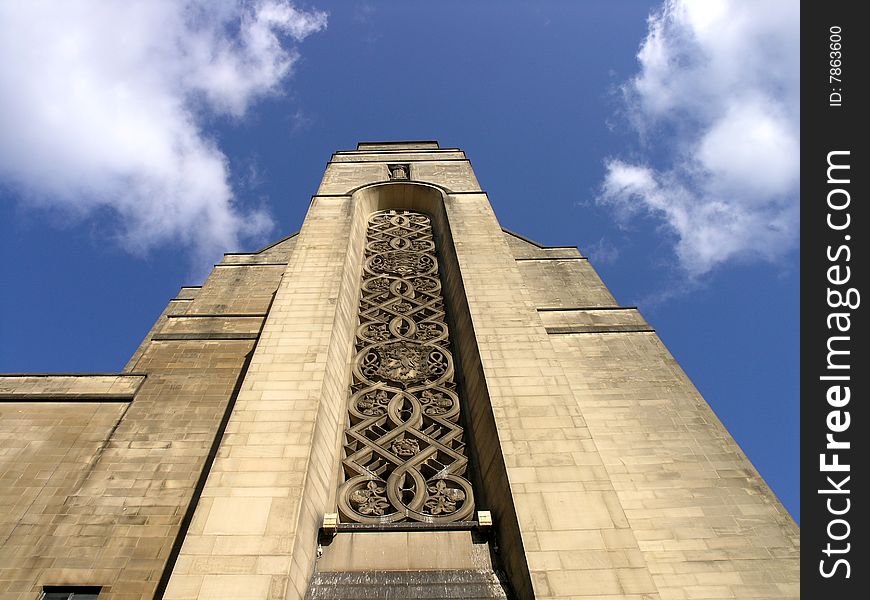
488	474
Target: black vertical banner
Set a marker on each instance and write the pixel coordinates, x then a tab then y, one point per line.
834	301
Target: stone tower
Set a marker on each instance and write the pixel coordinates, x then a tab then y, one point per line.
403	400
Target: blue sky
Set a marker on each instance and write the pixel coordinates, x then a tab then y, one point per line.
142	139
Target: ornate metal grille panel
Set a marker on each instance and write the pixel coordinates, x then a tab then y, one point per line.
404	449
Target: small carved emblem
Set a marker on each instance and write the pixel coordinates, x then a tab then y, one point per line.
377	332
398	172
406	447
401	307
436	403
373	403
443	499
379	285
370	501
423	284
402	361
427	331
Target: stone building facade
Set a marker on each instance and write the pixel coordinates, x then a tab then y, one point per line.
342	413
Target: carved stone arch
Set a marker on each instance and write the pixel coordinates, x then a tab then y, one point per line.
419	197
411	189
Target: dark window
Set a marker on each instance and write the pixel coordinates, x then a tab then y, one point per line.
70	592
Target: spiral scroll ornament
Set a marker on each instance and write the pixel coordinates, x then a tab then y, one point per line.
404	454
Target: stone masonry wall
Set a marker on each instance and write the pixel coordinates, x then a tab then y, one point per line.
97	474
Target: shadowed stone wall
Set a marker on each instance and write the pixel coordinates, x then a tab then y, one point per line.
99	471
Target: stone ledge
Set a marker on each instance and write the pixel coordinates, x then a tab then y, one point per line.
464	584
250	264
598	329
400	551
593	320
65	387
209	326
535	258
396	145
406	156
167	337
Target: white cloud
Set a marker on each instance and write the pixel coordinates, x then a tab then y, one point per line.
717	105
102	105
602	252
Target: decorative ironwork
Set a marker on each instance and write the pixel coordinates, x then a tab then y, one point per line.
404	449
